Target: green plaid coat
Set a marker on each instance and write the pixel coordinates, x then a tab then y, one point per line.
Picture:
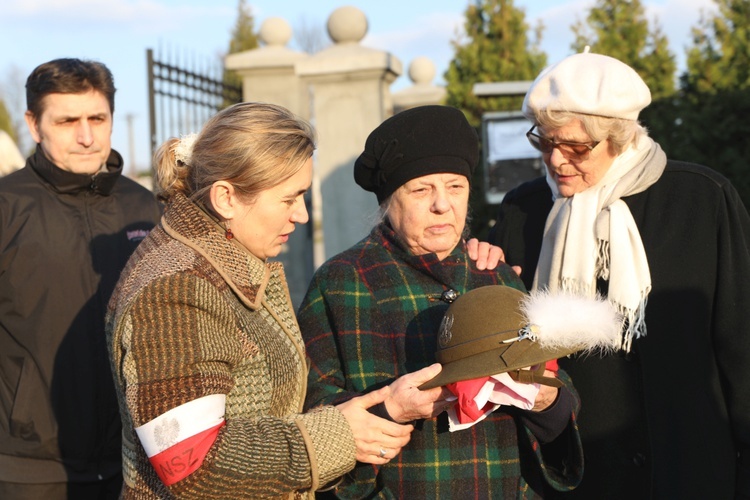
370	315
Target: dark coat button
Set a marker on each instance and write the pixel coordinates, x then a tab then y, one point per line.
639	459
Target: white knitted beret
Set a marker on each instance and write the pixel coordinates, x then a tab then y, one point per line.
591	84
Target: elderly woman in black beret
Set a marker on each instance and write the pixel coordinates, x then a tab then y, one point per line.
372	314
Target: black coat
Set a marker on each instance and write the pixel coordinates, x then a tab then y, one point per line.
64	238
672	418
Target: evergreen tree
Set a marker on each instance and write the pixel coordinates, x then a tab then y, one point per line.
243	35
243	38
619	28
6	122
719	58
707	122
13	102
494	48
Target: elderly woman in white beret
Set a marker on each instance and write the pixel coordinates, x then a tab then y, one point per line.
668	416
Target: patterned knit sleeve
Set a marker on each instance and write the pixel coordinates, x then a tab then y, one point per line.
181	354
333	306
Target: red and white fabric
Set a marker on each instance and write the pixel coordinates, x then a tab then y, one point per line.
477	398
178	441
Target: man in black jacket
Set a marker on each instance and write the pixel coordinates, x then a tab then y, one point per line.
68	223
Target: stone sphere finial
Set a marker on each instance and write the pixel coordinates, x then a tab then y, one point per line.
275	31
347	24
422	70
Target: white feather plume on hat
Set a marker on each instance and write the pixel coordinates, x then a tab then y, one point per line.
564	320
496	329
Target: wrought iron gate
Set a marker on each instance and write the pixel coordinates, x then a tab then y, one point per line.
182	99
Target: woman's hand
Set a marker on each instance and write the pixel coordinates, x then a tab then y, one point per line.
487	256
377	439
406	402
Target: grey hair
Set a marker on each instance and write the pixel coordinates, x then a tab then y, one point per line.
620	132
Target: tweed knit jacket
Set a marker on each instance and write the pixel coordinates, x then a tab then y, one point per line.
372	314
195	314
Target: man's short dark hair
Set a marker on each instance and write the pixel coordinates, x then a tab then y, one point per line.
68	76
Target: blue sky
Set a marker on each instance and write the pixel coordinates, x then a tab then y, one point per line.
118	32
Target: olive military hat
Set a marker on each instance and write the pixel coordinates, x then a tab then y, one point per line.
497	329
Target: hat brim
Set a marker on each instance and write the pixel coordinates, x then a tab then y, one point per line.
514	356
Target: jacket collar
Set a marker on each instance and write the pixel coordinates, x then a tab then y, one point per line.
66	182
245	274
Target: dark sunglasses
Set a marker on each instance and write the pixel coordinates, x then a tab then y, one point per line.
570	150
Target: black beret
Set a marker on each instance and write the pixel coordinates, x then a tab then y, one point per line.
416	142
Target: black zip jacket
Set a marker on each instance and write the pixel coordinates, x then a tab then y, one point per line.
64	238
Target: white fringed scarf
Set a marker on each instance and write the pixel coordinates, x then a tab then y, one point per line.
592	235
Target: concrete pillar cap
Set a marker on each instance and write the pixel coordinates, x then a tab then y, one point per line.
422	70
275	31
347	24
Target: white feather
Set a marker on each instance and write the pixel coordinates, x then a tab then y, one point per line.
566	320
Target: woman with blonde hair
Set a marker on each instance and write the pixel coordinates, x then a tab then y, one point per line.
207	356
